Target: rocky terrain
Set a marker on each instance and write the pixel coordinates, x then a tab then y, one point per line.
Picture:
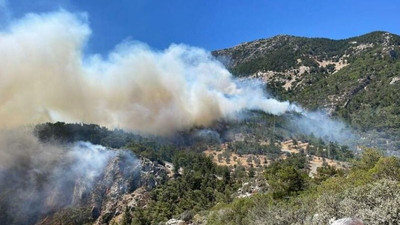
123	186
354	79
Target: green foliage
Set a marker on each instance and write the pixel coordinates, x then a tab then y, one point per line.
285	181
251	172
331	150
72	216
68	133
233	214
259	126
370	191
281	53
153	150
325	172
388	168
368	160
367	99
364	93
287	177
198	188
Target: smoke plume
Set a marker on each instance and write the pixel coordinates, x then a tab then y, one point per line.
319	124
44	76
37	178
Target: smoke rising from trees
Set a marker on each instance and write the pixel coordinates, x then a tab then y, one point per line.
37	178
45	76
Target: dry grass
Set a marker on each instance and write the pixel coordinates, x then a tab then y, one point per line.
245	160
249	160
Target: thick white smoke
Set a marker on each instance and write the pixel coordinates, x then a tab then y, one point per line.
45	77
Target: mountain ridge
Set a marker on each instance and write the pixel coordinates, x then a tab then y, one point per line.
354	79
315	46
316	37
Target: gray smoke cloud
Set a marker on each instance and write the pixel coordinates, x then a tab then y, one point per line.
44	76
38	178
319	124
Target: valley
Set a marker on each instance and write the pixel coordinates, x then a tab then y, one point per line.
329	154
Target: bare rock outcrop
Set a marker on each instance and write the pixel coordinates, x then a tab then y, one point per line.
347	221
124	185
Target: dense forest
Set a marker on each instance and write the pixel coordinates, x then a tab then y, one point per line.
199	187
204	193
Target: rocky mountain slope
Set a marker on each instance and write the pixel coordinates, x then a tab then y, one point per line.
356	79
123	186
71	183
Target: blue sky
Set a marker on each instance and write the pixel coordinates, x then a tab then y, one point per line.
216	24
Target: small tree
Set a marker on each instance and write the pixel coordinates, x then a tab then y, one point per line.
284	180
251	172
368	160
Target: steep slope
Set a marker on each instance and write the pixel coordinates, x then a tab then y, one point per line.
122	187
356	79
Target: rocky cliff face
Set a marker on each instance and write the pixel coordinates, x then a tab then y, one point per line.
125	184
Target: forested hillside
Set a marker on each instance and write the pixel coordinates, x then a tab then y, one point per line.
356	79
369	191
256	168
